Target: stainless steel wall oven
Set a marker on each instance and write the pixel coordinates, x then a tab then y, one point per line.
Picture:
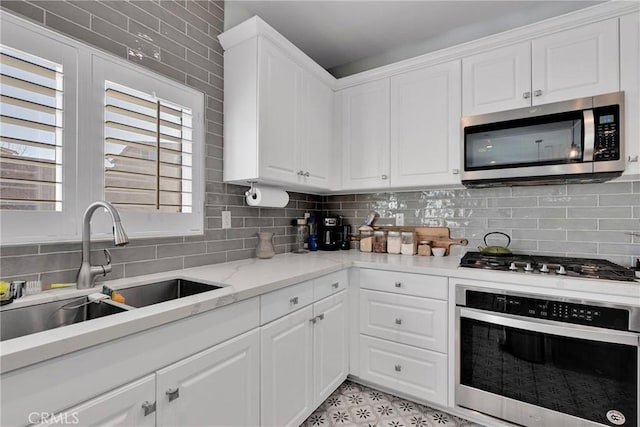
542	361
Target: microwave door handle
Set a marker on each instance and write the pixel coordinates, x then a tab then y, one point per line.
551	327
589	135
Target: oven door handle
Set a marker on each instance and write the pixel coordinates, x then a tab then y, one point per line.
550	327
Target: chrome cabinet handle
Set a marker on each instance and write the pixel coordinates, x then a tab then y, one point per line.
173	394
300	173
384	176
335	285
526	95
149	408
307	174
398	321
318	317
293	301
398	368
537	93
398	284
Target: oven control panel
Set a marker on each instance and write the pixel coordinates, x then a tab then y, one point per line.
567	312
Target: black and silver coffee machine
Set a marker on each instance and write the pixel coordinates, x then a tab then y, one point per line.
330	234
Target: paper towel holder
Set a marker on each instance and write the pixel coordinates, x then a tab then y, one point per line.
251	192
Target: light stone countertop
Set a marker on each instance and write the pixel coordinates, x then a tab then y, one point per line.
252	277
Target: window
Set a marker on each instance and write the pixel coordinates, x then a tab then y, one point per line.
129	136
148	151
30	132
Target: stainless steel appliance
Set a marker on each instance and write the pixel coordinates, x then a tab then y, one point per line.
546	361
581	140
549	265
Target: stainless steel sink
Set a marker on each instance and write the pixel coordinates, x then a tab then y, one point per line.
41	317
154	293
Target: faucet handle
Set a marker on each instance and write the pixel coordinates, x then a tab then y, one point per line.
107	255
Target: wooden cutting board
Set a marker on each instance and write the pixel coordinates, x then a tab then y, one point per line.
440	236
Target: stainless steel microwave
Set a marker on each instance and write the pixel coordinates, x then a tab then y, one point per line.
581	140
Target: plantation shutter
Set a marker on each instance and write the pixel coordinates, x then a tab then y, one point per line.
31	120
148	152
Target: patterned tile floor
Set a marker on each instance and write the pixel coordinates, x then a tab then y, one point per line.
356	405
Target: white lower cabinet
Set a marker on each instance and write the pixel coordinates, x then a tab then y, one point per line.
304	359
403	333
409	370
216	387
124	406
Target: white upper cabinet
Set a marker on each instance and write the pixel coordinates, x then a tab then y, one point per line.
365	136
279	114
278	111
496	80
580	62
564	65
314	154
630	84
425	126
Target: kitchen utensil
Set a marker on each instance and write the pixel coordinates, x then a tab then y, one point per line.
495	250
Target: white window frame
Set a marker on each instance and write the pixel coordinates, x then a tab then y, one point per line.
30	226
85	69
145	223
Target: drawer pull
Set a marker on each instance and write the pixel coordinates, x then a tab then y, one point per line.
320	316
398	321
398	368
335	285
313	320
293	301
398	284
173	394
149	408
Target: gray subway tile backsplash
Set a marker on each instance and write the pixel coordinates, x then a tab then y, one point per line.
586	219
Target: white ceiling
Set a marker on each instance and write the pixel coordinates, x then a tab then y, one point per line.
347	36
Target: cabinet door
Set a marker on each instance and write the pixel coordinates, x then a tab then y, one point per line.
123	406
365	136
576	63
216	387
497	80
630	84
315	141
280	94
330	346
425	126
286	382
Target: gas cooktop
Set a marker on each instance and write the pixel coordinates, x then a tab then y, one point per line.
550	265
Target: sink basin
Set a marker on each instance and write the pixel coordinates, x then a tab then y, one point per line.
154	293
41	317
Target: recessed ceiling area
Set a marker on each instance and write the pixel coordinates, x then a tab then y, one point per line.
347	37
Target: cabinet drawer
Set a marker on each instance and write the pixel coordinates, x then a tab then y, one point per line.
420	285
284	301
329	284
408	370
421	322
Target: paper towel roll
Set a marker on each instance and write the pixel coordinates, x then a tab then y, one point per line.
270	197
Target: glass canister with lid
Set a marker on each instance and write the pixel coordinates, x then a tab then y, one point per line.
394	242
379	241
366	239
409	244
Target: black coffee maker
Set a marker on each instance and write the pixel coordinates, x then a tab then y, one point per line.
330	234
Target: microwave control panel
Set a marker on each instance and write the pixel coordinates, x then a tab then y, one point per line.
607	137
